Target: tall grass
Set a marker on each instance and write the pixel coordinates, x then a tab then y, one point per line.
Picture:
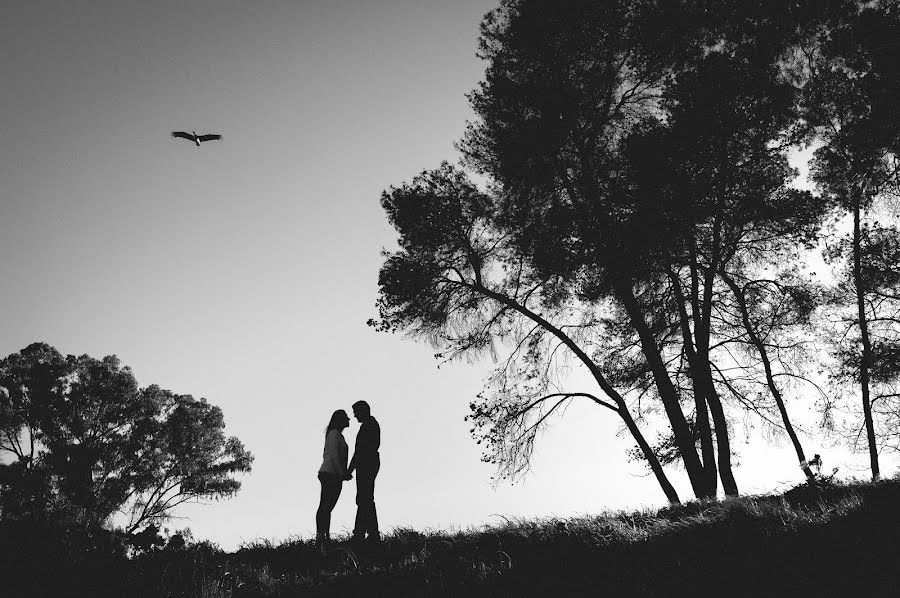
834	540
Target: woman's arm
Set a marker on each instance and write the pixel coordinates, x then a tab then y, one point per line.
342	457
352	465
333	453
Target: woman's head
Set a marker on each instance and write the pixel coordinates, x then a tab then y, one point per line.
339	421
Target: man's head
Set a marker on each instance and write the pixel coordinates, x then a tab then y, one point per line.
361	410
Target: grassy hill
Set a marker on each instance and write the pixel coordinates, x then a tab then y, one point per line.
835	540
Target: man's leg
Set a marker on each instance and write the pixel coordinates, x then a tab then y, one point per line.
371	512
366	518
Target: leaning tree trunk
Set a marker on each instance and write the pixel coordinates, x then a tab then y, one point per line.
770	378
621	406
651	457
684	438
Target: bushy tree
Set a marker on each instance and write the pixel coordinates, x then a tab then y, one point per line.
86	442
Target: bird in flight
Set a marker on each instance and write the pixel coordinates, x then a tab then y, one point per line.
192	136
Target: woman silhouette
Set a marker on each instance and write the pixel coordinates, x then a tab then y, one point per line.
332	474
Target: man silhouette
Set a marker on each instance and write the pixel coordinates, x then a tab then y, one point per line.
366	461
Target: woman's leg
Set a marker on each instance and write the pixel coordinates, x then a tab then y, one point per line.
323	517
331	491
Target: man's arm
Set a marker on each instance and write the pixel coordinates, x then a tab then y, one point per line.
368	440
354	461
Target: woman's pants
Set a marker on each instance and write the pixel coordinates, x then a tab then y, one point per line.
331	491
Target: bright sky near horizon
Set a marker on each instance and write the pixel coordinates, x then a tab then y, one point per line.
244	271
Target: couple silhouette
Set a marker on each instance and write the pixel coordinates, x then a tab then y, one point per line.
335	471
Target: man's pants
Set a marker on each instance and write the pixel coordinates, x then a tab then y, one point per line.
366	516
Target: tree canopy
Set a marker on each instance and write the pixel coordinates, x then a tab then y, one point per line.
87	443
639	216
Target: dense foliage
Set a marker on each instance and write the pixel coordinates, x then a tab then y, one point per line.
86	443
637	215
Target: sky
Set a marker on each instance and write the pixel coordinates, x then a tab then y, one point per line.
244	271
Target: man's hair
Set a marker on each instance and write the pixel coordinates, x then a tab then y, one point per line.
363	407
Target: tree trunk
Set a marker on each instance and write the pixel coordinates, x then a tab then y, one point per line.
866	357
655	465
606	387
702	332
701	427
723	442
770	379
684	439
704	432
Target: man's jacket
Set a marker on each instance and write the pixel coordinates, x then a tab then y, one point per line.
368	440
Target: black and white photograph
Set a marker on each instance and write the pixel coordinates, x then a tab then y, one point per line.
449	298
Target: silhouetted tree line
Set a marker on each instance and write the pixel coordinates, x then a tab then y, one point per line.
81	443
635	213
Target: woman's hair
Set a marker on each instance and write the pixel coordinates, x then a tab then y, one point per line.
337	418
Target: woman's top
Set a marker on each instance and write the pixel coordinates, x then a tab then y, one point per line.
334	457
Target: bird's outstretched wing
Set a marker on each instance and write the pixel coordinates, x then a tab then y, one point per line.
183	135
210	137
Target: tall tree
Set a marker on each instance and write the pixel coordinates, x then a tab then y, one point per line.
566	87
88	442
638	159
850	80
458	282
634	153
729	119
881	272
765	309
